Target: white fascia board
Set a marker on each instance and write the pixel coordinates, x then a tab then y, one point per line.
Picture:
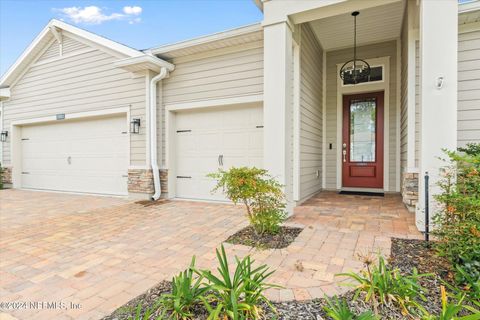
147	62
22	61
97	39
468	6
25	54
205	39
4	93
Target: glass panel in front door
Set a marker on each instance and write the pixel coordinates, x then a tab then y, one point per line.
363	115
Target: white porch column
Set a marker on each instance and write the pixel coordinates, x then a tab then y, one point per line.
278	101
438	79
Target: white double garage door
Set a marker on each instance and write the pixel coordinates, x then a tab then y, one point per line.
85	156
91	156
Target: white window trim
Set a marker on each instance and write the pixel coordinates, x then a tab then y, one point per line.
368	82
364	88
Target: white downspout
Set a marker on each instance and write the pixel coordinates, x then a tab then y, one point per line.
153	132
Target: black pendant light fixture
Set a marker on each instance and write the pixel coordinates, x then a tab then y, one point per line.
355	70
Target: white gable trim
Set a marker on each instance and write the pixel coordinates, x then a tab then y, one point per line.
7	77
31	53
97	39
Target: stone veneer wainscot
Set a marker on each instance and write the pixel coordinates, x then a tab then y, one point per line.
410	190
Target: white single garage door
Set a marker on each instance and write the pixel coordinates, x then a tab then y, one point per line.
211	139
88	156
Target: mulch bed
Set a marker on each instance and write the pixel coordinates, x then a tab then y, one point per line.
248	237
147	299
405	255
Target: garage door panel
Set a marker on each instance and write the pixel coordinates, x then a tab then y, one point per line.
208	142
235	133
61	181
201	165
235	140
112	165
232	160
199	186
88	156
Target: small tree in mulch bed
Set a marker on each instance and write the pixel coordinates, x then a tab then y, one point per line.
261	194
458	221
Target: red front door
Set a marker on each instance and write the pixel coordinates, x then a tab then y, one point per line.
362	145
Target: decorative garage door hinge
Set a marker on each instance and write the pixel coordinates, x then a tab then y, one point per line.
259	127
124	132
124	175
25	172
184	177
179	131
23	139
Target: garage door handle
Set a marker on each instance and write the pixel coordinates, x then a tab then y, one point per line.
69	160
184	177
220	160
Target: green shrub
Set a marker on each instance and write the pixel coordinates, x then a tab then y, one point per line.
187	291
236	295
339	310
382	284
457	221
259	192
471	149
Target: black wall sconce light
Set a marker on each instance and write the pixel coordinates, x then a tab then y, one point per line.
135	126
3	136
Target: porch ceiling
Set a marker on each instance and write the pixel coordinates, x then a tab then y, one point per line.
373	25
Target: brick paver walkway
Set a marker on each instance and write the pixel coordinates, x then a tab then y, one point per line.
94	254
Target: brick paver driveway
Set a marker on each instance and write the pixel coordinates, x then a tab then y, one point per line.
91	254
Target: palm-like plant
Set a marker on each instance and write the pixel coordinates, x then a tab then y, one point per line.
339	310
187	290
237	296
382	284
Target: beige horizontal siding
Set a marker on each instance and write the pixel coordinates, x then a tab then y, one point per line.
468	88
339	56
50	52
70	45
218	74
87	81
311	113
